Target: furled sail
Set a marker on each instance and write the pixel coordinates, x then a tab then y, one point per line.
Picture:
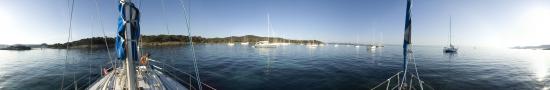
123	22
407	40
407	37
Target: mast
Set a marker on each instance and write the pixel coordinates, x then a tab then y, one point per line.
450	31
356	40
381	38
407	40
268	28
127	40
373	42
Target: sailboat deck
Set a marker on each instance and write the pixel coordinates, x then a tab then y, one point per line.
147	79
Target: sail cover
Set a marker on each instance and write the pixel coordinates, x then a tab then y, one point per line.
408	26
123	22
407	37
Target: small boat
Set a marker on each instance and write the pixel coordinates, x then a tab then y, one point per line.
372	47
357	42
231	44
381	42
264	44
451	48
312	44
244	43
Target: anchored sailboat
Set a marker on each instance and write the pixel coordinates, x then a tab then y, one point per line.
405	78
357	42
451	48
372	46
312	44
245	41
381	42
266	44
230	43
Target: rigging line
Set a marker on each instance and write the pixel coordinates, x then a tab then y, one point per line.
187	20
140	44
268	27
166	26
406	69
165	15
103	31
68	39
416	71
117	15
90	53
414	63
450	28
140	4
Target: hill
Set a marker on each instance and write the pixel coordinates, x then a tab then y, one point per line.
160	40
543	47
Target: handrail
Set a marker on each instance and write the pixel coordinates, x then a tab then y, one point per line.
387	80
82	78
192	88
422	82
409	85
189	75
176	69
71	85
172	67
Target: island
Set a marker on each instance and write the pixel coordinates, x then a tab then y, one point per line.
540	47
16	47
167	40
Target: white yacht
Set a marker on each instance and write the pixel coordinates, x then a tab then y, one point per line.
244	43
451	48
230	43
264	44
372	47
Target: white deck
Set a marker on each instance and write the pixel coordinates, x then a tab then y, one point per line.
147	79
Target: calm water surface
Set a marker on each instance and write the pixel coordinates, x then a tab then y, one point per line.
293	67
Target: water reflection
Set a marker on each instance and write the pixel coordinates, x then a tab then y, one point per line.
451	55
266	52
376	55
311	50
540	66
243	66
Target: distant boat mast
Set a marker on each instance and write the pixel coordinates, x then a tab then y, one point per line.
450	31
268	27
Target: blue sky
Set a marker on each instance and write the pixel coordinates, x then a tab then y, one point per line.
475	22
